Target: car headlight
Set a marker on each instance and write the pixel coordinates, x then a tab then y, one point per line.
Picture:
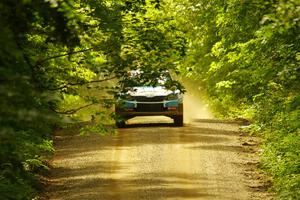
172	96
128	97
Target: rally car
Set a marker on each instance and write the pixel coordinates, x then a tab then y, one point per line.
144	100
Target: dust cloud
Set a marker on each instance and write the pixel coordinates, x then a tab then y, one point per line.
194	104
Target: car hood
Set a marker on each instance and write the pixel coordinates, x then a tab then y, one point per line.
148	91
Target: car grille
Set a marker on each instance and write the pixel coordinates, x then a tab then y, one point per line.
149	99
158	107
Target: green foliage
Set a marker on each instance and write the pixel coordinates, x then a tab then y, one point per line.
66	57
246	56
62	57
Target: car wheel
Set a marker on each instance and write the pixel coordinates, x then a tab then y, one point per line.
120	124
178	120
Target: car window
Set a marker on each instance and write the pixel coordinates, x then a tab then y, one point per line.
136	79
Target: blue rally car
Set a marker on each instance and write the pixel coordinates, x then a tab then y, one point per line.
141	100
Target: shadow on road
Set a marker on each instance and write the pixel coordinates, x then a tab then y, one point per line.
157	186
236	121
149	125
99	179
139	135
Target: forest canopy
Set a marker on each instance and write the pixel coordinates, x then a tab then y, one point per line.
51	51
244	55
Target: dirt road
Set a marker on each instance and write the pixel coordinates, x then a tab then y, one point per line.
202	160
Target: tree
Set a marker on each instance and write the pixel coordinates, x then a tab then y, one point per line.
245	54
55	51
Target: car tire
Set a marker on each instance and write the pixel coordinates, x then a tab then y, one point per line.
120	124
178	120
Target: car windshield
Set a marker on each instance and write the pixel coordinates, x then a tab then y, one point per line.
140	79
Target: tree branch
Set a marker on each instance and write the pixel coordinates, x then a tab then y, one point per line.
74	84
66	54
72	111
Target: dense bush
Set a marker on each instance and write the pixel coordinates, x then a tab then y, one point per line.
55	57
246	57
54	54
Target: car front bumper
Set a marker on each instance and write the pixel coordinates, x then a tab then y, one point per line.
169	108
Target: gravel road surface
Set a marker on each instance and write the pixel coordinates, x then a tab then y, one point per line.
149	160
